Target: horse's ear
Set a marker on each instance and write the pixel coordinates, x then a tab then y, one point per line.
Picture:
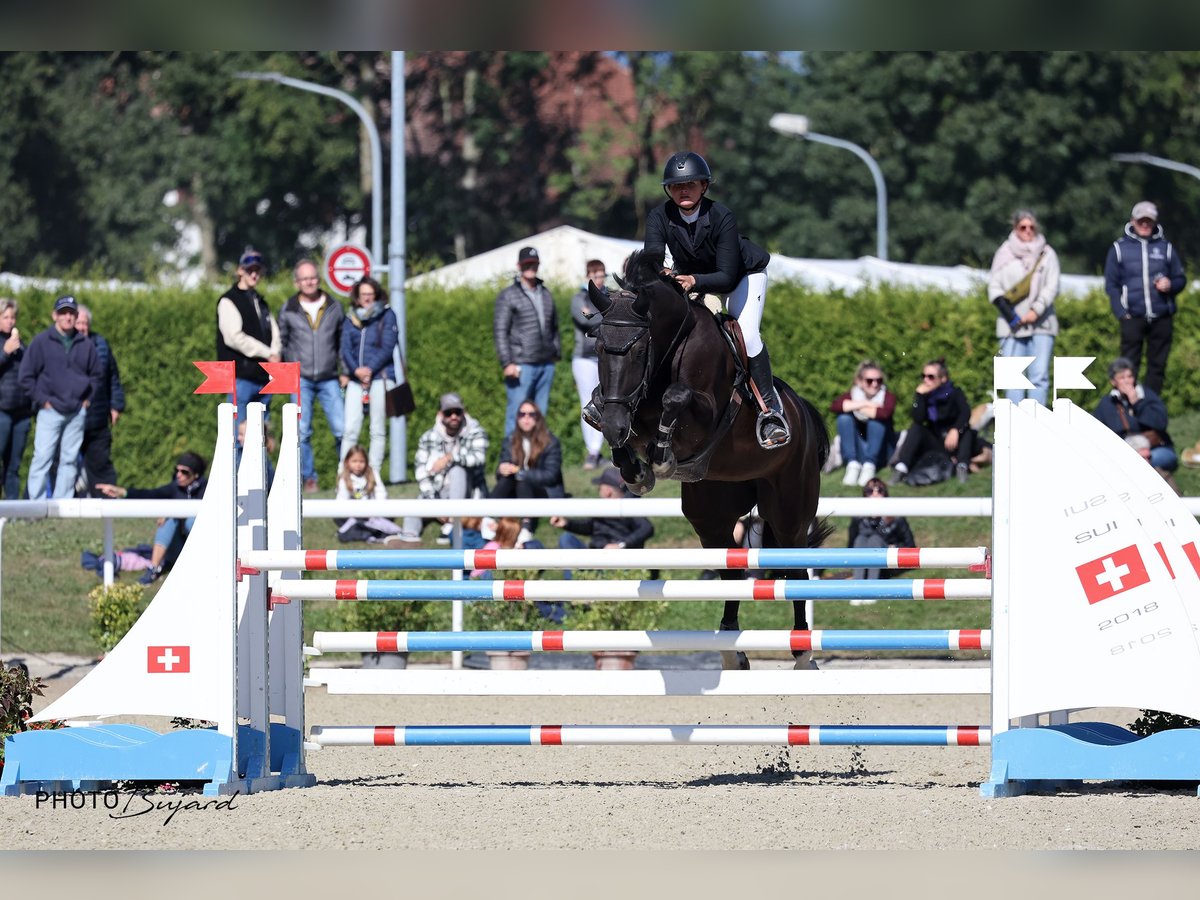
641	303
600	298
621	282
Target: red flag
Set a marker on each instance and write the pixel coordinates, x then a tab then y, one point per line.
173	660
1113	574
285	378
218	377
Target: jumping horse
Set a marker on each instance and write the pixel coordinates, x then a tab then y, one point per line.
672	406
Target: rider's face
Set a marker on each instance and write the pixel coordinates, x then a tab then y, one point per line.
687	194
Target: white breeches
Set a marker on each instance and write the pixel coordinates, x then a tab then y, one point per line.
745	303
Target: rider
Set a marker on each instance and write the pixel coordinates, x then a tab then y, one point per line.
710	256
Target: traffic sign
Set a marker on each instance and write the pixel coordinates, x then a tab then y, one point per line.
345	266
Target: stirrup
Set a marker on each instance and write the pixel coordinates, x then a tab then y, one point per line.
772	430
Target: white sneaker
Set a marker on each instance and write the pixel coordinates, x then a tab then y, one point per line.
868	472
862	601
852	471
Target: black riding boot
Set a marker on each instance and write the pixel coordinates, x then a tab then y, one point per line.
772	427
591	412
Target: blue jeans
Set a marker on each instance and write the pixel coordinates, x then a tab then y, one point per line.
329	392
13	435
247	392
871	446
532	384
61	436
171	534
1041	348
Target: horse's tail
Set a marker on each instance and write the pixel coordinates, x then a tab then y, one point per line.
819	532
814	426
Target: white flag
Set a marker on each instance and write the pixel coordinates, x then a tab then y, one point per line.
1068	373
1008	373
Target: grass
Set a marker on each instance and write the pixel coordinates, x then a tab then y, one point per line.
43	607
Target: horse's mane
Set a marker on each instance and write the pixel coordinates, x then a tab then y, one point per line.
643	269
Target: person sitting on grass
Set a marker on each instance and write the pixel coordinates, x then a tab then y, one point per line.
189	484
358	481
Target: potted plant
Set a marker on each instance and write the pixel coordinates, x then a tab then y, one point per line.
114	609
614	615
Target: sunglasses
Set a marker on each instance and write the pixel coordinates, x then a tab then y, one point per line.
181	470
872	381
527	414
873	491
929	376
452	412
1026	228
1145	221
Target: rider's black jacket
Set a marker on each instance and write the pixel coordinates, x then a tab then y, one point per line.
711	249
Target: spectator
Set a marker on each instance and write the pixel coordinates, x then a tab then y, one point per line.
358	481
877	531
1143	275
525	329
368	339
507	534
585	364
530	459
61	373
189	484
940	420
1132	409
310	333
105	408
864	423
449	460
16	409
616	533
247	333
1023	285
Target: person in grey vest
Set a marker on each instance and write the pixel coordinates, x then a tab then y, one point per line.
525	329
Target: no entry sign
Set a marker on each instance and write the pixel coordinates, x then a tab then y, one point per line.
345	266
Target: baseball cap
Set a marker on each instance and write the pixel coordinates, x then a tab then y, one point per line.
1144	210
66	302
528	254
450	401
249	258
610	476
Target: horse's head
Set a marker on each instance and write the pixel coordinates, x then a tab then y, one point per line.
623	344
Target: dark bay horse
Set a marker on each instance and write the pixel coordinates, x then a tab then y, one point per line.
671	410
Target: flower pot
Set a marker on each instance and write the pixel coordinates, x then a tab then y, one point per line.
614	660
508	659
385	660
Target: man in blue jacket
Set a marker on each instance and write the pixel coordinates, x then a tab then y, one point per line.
1142	276
61	373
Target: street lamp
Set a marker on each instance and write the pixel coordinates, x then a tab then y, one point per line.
790	123
1149	160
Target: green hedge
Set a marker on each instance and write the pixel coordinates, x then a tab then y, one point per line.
816	340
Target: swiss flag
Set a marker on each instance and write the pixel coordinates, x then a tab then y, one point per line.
173	660
1115	573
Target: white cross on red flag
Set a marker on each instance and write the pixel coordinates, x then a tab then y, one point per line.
1112	574
172	660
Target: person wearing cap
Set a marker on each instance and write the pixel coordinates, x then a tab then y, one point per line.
60	373
247	333
616	533
450	457
709	256
310	333
525	330
585	362
1143	275
188	484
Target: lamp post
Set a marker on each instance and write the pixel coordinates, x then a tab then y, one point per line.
789	123
1149	160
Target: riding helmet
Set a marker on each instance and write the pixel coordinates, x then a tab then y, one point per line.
686	166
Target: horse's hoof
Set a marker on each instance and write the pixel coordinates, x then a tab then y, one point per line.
664	469
644	486
804	660
734	660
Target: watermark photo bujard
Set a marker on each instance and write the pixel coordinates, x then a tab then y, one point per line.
126	805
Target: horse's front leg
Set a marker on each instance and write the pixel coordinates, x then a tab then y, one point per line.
638	476
675	400
803	658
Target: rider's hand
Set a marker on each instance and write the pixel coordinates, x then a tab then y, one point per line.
687	282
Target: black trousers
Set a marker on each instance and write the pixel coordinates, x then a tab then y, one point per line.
1156	335
920	440
97	458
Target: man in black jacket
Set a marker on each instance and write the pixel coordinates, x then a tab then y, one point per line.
247	333
615	533
310	333
525	329
189	484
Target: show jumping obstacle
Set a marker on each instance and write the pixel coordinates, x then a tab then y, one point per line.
1095	581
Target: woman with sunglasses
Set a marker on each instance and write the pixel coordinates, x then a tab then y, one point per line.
941	420
188	484
1022	286
864	423
880	532
530	460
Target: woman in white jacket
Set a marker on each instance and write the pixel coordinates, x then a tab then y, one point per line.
1026	324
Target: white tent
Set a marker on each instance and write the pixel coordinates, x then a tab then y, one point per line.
565	250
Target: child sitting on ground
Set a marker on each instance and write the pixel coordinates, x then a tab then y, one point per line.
358	481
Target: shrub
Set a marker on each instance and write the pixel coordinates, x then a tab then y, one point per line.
614	615
114	610
17	690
